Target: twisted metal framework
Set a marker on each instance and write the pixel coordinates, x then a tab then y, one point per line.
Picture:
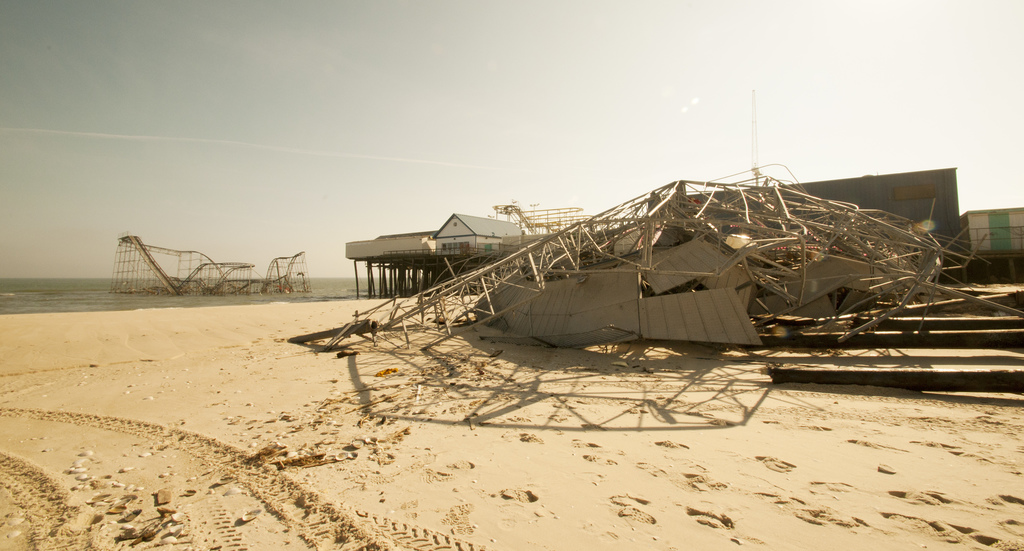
137	271
287	274
540	221
781	251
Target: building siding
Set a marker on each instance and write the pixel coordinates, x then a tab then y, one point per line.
919	196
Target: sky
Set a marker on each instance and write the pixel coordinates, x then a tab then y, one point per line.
251	129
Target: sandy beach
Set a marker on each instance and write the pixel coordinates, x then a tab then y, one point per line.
205	429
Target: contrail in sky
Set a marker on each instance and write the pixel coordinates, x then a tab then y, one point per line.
280	149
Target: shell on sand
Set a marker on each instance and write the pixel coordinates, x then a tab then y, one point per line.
98	498
224	480
249	515
233	491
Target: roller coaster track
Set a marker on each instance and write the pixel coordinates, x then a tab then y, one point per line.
151	262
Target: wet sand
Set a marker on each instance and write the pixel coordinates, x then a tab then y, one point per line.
249	442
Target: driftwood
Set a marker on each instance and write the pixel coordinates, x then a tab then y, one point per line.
936	380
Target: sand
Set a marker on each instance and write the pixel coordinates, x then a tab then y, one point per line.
249	442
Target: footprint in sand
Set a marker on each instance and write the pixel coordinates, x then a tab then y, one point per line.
671	444
576	443
927	497
430	476
776	465
527	437
825	516
458	519
688	481
632	513
624	501
779	500
596	459
707	518
950	533
522	496
462	465
414	504
1013	526
832	486
935	444
868	444
1012	499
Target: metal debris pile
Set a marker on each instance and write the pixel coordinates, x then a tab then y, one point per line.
690	261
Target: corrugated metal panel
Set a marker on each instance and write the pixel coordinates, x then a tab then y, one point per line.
570	305
517	320
550	311
836	267
514	339
624	314
577	305
737	279
694	257
714	315
604	335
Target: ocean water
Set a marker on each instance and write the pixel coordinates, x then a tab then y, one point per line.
32	296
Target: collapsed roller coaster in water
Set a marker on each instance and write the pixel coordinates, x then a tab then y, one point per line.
137	271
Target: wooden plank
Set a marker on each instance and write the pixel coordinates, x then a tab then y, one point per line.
932	380
935	339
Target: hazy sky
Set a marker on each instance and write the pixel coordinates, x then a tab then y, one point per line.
249	130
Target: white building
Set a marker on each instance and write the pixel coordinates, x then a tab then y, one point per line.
463	234
404	243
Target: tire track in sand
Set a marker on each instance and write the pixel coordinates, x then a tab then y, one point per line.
45	503
319	522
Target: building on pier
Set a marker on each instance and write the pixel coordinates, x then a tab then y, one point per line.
997	245
401	265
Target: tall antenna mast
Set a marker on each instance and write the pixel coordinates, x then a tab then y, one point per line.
753	137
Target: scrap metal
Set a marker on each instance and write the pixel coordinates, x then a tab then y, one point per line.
690	261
